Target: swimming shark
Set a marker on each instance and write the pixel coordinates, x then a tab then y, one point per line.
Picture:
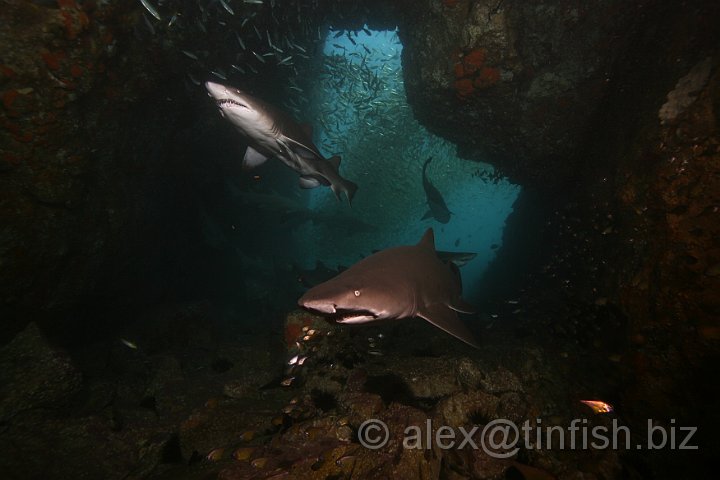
272	133
399	282
437	207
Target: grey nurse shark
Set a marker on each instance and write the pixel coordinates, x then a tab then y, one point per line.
399	282
272	133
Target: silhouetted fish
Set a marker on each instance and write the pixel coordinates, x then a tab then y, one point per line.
436	204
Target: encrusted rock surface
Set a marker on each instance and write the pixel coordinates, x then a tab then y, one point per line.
34	375
607	114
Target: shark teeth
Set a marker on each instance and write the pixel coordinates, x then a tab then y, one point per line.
355	316
224	101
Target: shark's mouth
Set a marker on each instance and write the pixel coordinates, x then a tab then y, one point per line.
224	101
354	316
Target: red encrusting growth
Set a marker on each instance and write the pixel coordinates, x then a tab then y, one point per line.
11	159
74	19
294	329
6	71
474	60
488	76
8	97
76	71
471	73
464	87
52	60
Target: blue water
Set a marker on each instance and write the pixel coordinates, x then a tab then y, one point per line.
383	149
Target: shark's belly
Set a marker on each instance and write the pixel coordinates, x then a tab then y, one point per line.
264	142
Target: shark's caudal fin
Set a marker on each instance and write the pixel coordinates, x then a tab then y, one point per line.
426	164
446	319
342	185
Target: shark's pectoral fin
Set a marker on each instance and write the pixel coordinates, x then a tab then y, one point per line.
253	158
427	215
308	182
446	319
460	305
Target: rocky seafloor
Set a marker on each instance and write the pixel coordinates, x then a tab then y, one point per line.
207	402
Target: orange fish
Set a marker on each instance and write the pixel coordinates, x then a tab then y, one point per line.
598	406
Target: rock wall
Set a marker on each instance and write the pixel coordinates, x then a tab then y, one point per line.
607	114
515	82
100	191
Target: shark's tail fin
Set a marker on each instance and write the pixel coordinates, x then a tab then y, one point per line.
426	164
342	185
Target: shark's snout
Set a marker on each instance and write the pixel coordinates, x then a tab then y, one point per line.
321	306
215	89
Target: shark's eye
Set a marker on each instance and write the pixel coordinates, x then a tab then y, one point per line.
357	293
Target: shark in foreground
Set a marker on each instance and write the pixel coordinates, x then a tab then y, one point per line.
272	133
399	282
436	204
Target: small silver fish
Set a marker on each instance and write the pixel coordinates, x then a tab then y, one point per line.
227	7
240	40
189	54
129	344
193	79
218	74
259	57
285	60
293	360
148	24
149	7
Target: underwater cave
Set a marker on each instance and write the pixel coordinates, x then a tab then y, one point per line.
237	235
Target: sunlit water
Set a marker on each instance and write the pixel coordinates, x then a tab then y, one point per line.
360	112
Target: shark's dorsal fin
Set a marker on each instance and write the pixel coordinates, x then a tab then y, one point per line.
427	215
428	240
